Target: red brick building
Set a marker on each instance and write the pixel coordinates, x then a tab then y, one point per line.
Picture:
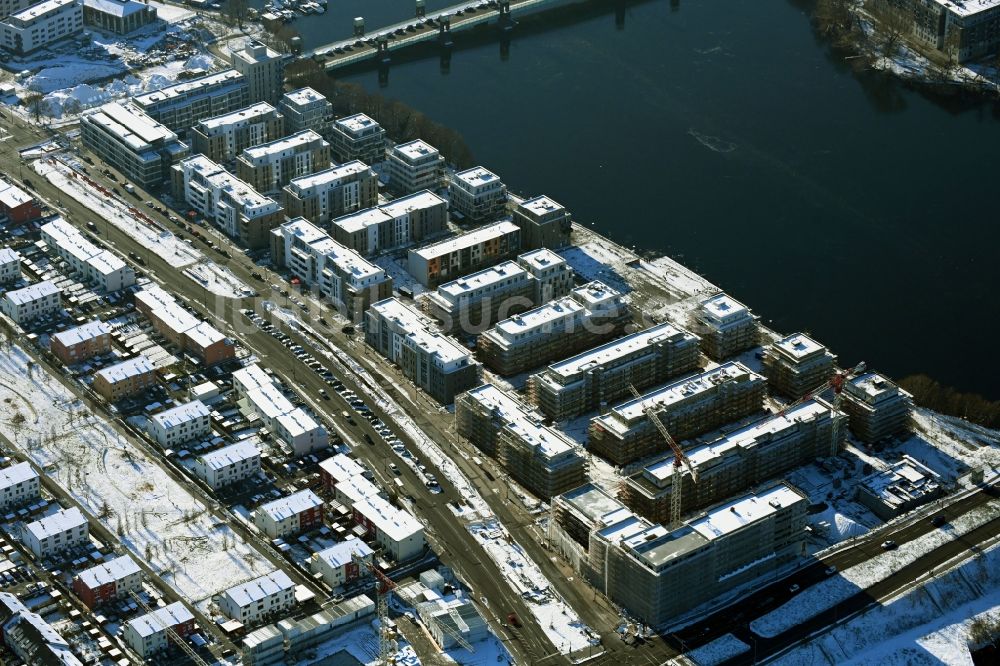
17	204
78	344
108	581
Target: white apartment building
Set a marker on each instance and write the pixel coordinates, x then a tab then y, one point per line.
251	377
449	259
358	137
264	70
398	223
354	490
259	598
413	166
725	325
286	421
10	265
8	7
325	195
228	465
147	634
478	194
237	208
270	166
180	424
124	136
224	137
306	109
338	469
67	528
400	535
341	275
435	362
41	24
19	484
289	515
338	564
182	105
99	267
31	302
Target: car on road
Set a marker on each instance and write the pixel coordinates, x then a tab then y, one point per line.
394	468
513	620
938	521
794	588
830	570
323	394
889	544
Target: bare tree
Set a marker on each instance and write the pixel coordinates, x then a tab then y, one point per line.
236	11
34	102
893	25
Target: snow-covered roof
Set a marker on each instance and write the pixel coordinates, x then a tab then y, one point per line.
356	124
254	51
540	206
166	308
157	621
82	333
56	648
269	401
32	292
966	8
872	388
326	249
616	349
13	196
539	319
476	176
291	505
130	125
204	335
415	150
206	84
394	523
723	307
41	9
738	513
109	572
904	482
356	489
116	7
8	256
237	118
466	240
484	281
230	455
131	368
297	422
597	296
327	177
56	523
15	474
343	553
541	259
249	199
280	147
523	422
252	376
798	346
387	212
259	588
189	411
421	332
304	97
341	468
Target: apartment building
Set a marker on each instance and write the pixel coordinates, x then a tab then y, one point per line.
180	106
344	277
223	138
354	490
543	223
741	459
393	225
259	392
306	109
357	137
10	266
338	469
450	259
56	532
263	69
125	380
228	465
258	599
30	638
471	304
434	362
588	316
726	326
19	485
29	303
903	486
270	166
108	581
451	621
290	515
8	7
326	195
18	205
102	268
41	24
797	364
81	343
338	565
686	408
127	138
121	17
414	166
551	274
171	320
400	535
959	30
540	458
604	374
478	195
657	574
180	424
147	634
238	209
876	407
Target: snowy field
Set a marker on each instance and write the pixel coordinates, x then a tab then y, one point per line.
718	651
817	598
927	625
155	517
558	620
218	280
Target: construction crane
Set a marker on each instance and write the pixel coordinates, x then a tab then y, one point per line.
169	631
680	461
383	588
836	383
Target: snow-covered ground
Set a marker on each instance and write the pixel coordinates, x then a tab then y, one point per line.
927	625
155	517
557	619
721	649
396	269
817	598
218	279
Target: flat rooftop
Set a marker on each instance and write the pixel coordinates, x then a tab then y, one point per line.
414	150
329	176
724	306
304	97
238	118
42	9
388	212
871	387
750	508
203	84
540	206
966	8
356	124
292	142
422	331
468	239
494	275
230	455
539	260
620	348
477	176
799	346
351	263
533	321
523	422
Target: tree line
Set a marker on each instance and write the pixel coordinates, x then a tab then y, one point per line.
947	400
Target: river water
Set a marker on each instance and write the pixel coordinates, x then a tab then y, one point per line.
727	135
